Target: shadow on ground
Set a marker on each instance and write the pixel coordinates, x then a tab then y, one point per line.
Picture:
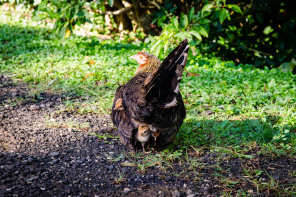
47	150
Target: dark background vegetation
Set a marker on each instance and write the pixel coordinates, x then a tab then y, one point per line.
61	62
260	32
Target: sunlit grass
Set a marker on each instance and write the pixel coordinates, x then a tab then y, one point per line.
246	105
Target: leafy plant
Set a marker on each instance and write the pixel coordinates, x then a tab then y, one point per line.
163	15
66	15
193	26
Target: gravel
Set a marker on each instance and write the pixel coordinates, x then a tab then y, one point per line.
41	156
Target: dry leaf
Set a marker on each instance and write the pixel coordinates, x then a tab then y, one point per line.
127	164
91	62
68	33
188	74
88	75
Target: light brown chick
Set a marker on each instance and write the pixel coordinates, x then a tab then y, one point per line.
143	136
118	104
155	135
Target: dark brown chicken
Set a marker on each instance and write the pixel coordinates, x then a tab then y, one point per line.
150	107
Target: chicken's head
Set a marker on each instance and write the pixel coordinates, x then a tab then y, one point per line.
148	62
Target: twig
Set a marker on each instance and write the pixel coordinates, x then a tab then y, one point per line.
250	49
117	12
13	75
154	3
89	90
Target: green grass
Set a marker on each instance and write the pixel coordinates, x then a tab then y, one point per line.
249	105
253	111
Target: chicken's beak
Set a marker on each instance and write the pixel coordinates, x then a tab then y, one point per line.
133	57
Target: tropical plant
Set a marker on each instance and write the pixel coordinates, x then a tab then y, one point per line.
193	26
66	15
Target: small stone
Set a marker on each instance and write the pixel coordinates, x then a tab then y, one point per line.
54	154
80	161
168	178
14	94
30	159
110	167
189	191
55	161
250	191
34	107
7	106
176	193
126	190
191	195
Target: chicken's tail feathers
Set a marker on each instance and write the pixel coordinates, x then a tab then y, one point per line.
164	84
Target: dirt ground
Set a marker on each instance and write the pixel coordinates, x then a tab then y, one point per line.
41	154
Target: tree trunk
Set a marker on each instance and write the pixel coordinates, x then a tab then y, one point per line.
142	18
122	20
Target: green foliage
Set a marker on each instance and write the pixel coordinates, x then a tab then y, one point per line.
163	15
232	110
111	2
228	106
66	14
257	32
263	36
193	26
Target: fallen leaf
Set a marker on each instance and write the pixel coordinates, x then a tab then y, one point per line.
91	62
68	33
188	74
88	75
128	164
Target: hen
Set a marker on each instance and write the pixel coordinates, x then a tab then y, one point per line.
150	107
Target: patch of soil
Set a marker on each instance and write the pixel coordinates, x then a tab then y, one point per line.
46	150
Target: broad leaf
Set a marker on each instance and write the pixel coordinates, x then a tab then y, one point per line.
39	17
56	3
204	21
183	20
157	50
191	14
206	8
183	35
155	45
175	22
42	5
203	31
235	8
287	67
222	15
111	2
196	34
267	30
173	9
166	47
